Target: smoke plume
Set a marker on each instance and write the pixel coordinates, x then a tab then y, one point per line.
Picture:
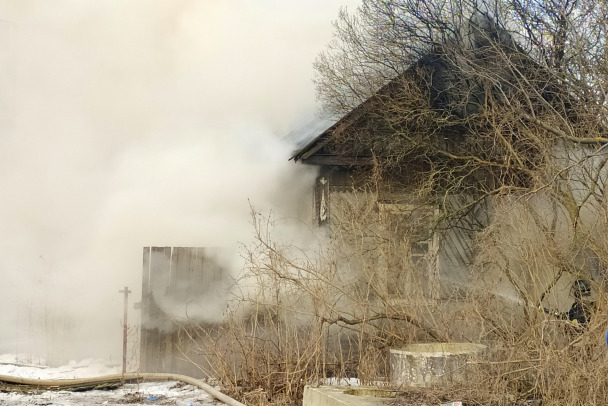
138	123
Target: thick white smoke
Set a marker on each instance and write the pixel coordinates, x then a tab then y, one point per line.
134	123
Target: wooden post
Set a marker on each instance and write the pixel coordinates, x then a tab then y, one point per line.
126	291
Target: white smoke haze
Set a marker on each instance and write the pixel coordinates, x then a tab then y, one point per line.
138	123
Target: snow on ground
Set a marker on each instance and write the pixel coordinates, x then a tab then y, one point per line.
149	393
11	365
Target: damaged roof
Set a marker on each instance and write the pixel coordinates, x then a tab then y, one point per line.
441	81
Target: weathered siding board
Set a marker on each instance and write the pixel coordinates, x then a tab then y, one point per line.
153	352
173	277
454	257
461	248
180	275
457	253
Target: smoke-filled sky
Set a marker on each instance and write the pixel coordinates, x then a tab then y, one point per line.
130	123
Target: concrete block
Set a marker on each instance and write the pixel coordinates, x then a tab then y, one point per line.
429	364
351	396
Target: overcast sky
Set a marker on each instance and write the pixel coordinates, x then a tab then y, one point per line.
129	123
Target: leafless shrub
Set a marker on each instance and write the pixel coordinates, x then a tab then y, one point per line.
486	123
335	313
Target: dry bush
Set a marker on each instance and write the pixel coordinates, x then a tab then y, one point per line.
544	360
528	258
301	317
484	206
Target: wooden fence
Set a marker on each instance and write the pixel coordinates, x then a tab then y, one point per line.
175	278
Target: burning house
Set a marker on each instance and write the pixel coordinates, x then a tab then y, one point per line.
442	173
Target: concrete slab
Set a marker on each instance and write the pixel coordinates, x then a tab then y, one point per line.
351	396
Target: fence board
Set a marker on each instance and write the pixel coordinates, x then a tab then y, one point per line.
174	277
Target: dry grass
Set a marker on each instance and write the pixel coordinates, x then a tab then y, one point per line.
299	320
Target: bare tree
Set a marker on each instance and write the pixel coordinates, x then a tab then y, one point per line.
481	97
484	102
463	104
498	104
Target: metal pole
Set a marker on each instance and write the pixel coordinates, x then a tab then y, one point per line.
126	291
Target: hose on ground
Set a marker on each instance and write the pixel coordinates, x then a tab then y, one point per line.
115	381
